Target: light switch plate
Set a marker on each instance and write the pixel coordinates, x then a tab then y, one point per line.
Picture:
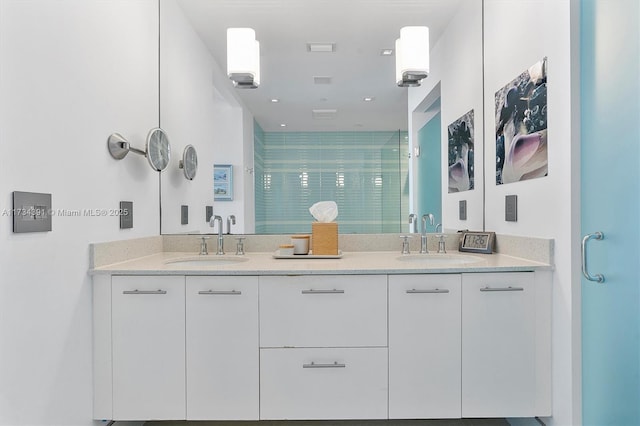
31	212
208	213
126	214
462	208
511	208
184	215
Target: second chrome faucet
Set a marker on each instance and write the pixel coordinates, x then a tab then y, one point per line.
212	223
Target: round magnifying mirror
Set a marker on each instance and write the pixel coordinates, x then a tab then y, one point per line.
189	162
158	149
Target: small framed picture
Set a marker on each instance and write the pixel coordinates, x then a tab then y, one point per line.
477	242
223	182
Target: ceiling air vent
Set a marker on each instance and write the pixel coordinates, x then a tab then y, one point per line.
321	80
324	114
321	47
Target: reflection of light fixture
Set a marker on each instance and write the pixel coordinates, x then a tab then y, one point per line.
412	56
243	58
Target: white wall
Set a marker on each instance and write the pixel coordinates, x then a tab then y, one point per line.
517	35
456	65
199	106
71	73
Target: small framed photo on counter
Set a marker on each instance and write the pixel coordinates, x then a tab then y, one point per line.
477	242
223	182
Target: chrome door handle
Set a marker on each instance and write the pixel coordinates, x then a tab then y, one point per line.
435	290
221	292
502	289
599	278
312	291
314	365
144	292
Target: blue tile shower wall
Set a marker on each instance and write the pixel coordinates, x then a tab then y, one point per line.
361	171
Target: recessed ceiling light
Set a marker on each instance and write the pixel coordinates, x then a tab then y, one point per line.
386	52
275	100
283	125
368	98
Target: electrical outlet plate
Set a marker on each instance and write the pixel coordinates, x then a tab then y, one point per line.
462	208
126	214
511	208
184	215
31	212
208	212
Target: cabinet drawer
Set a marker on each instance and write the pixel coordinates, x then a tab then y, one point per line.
319	311
326	383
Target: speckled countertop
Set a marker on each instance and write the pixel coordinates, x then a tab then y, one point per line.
365	262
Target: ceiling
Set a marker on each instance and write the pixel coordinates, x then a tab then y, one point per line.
359	28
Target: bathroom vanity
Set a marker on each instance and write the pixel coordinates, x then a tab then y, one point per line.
368	336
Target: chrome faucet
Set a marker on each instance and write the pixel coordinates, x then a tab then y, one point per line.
413	220
423	236
231	220
212	223
441	243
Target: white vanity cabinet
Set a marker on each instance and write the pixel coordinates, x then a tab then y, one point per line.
148	334
505	345
424	346
323	347
222	357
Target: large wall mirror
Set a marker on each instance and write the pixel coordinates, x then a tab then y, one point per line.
326	125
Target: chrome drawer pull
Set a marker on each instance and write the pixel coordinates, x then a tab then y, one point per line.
502	289
312	291
144	292
221	292
314	365
435	290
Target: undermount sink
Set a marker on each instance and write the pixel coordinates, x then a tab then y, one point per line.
439	259
206	261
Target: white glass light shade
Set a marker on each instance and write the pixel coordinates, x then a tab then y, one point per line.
243	57
412	56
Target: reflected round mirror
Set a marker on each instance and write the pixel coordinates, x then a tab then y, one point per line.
189	162
158	149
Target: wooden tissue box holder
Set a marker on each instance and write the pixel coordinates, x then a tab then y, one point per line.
324	238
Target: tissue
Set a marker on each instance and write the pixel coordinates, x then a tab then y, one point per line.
324	211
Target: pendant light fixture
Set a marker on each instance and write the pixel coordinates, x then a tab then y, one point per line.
243	58
412	56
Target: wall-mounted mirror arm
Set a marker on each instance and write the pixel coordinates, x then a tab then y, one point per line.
157	149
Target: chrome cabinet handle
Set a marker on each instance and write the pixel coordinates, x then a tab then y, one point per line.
435	290
312	291
502	289
314	365
144	292
221	292
599	278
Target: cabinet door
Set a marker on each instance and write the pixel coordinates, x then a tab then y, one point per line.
148	347
323	383
222	348
320	311
424	346
498	345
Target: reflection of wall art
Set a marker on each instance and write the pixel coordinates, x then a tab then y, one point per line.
521	126
222	182
461	162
